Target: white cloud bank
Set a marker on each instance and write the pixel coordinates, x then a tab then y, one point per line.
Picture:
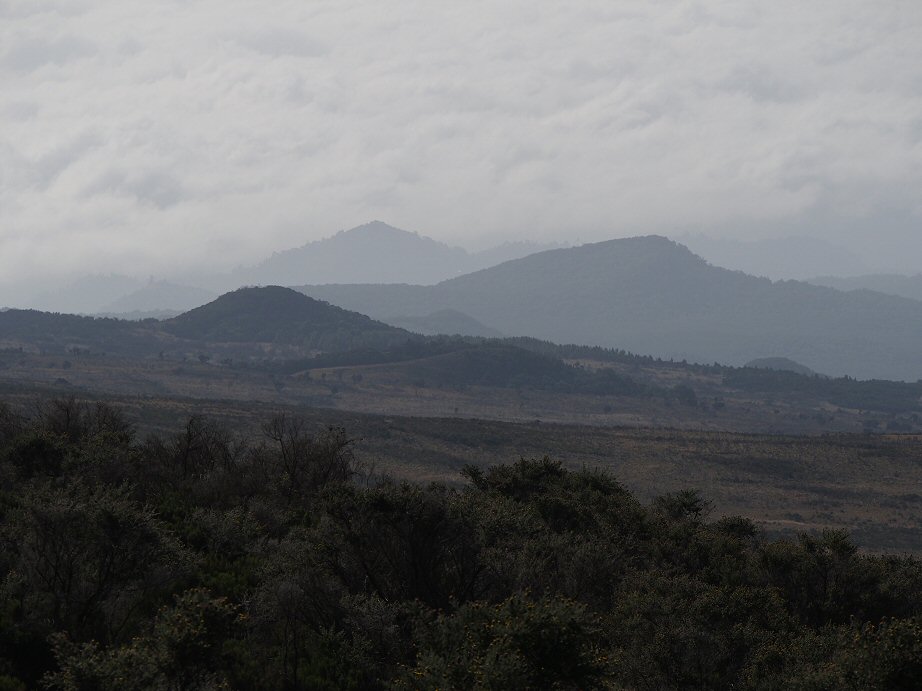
140	136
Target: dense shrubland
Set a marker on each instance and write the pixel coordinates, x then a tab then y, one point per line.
206	560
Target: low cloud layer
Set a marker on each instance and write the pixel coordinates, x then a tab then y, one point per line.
153	137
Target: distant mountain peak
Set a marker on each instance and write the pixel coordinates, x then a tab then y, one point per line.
380	233
379	226
660	242
636	249
374	252
375	228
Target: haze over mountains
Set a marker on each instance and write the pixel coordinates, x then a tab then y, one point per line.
160	296
653	296
376	252
648	295
81	296
371	253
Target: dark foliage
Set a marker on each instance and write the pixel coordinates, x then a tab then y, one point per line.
885	396
63	333
411	349
205	560
460	362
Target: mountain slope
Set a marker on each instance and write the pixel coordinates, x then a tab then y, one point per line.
777	258
891	284
281	316
651	295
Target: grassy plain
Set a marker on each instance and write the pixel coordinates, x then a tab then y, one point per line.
869	484
396	389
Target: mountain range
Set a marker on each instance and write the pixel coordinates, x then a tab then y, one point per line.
647	295
371	253
651	295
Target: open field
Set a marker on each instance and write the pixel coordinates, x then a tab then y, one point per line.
398	389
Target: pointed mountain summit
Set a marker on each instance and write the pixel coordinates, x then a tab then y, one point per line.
273	314
370	253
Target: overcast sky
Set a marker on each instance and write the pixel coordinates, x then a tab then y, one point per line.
140	136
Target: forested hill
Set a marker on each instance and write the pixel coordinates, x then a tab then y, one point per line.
34	330
652	295
273	314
